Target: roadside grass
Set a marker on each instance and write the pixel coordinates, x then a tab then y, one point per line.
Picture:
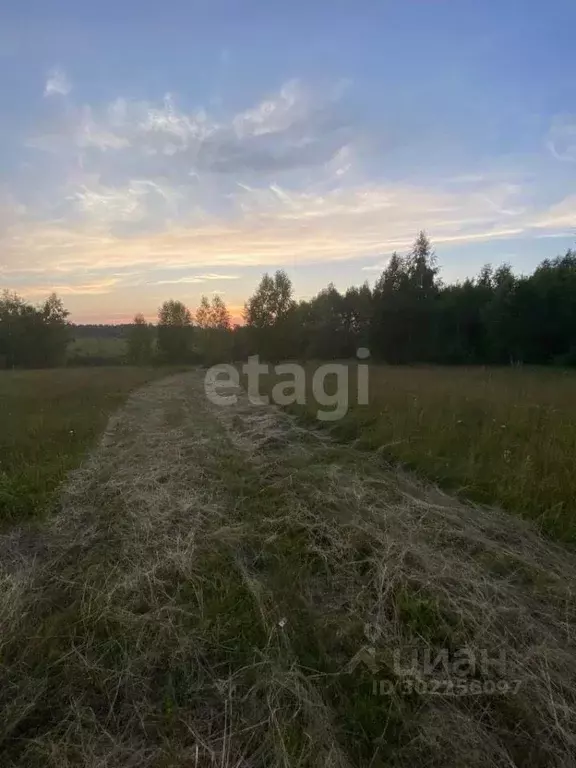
48	419
494	435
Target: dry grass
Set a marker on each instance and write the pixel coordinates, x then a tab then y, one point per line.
48	420
216	573
499	436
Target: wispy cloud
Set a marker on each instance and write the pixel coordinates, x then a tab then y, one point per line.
561	140
560	216
264	229
57	83
135	194
293	128
70	289
375	267
195	279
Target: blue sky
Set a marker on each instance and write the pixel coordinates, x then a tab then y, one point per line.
163	150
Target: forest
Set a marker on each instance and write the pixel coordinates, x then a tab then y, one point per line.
410	315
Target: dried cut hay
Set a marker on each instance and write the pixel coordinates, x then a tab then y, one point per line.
223	587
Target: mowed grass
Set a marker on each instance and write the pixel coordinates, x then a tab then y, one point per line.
504	436
48	420
223	588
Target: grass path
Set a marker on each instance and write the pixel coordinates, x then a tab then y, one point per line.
49	420
225	588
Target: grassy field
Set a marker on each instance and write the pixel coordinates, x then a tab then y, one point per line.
48	420
222	587
503	436
108	348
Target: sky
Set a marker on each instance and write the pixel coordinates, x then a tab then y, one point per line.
155	150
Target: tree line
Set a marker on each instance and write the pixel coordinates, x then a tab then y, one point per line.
181	337
409	316
32	336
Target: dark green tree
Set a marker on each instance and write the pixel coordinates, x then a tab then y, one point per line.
271	318
213	329
140	341
33	336
411	316
175	332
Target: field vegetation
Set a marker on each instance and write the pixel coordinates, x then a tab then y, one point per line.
48	421
97	349
224	587
504	436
